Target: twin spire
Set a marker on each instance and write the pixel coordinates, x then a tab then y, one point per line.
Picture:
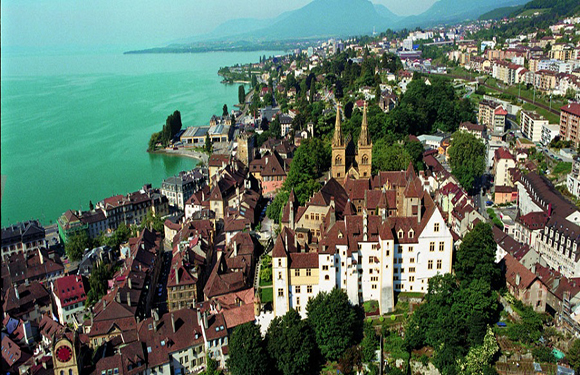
363	139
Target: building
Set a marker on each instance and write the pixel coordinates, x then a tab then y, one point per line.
285	124
532	124
69	297
524	284
503	161
478	131
185	269
246	150
370	255
570	123
179	188
196	135
492	115
347	161
271	170
22	237
549	132
573	179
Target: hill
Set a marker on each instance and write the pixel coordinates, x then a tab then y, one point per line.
500	13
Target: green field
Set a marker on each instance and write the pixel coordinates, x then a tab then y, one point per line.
266	295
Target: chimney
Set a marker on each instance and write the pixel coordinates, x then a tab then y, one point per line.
16	292
235	249
205	323
129	299
365	225
118	297
291	214
104	304
518	279
41	256
92	318
173	322
534	269
198	316
129	282
44	365
176	275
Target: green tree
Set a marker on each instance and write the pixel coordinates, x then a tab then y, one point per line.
275	208
480	357
254	81
98	282
335	322
290	341
208	145
152	222
369	344
211	368
76	244
476	256
241	94
393	157
467	158
574	355
247	353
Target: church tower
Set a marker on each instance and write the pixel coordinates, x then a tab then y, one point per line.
65	352
364	155
338	169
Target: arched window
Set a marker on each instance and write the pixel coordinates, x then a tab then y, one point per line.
70	372
338	160
365	159
61	372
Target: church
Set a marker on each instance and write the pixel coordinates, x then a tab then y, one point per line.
346	160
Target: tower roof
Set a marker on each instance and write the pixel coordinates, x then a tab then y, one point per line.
363	139
337	140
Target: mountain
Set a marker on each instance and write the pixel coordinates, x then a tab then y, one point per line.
319	18
500	13
450	11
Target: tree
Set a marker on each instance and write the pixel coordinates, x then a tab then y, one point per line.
467	158
351	360
98	282
335	322
241	94
212	367
247	352
392	157
476	256
76	244
574	355
369	344
208	145
225	110
290	341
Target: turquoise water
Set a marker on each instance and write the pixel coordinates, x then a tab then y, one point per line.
75	127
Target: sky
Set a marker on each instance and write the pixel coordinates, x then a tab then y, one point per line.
137	23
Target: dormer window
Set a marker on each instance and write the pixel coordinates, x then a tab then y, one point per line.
400	234
411	233
339	234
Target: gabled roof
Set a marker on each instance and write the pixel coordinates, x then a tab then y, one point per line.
516	274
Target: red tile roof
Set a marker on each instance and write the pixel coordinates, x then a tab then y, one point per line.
516	274
573	108
70	290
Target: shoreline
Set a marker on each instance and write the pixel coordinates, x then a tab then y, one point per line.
188	153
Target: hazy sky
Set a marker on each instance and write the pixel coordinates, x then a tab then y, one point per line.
137	23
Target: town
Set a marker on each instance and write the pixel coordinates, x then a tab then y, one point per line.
405	202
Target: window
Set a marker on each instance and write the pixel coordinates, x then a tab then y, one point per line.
325	268
279	275
402	270
430	265
308	272
309	289
395	270
411	269
411	278
432	246
317	217
400	250
441	246
400	260
296	272
280	292
297	289
326	277
297	301
375	278
411	249
436	227
412	260
279	262
298	308
396	278
400	234
411	233
374	286
439	262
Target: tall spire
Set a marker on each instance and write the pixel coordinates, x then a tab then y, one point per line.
337	140
363	139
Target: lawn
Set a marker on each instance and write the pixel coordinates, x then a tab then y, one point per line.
562	168
552	118
266	295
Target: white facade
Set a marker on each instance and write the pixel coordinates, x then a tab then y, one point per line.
531	124
549	132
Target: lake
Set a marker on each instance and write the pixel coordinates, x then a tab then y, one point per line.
75	126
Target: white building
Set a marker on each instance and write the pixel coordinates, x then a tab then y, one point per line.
370	257
531	124
549	132
69	297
